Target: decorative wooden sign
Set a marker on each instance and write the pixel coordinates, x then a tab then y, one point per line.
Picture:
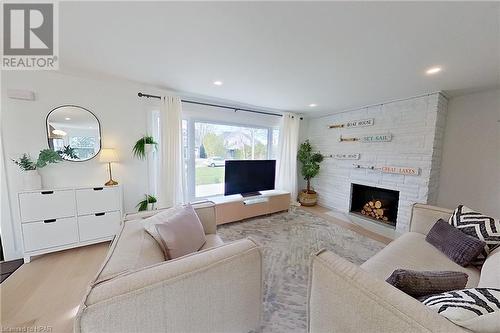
384	137
342	139
354	123
345	156
408	171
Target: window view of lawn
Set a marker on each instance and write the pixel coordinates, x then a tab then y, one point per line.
209	175
214	144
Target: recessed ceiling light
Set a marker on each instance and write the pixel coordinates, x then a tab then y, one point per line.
218	83
312	105
433	70
67	118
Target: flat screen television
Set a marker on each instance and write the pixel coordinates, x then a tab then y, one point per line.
249	177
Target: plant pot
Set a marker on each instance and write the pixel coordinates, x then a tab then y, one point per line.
308	198
148	148
32	180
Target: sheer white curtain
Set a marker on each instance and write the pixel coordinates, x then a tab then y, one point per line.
171	175
286	164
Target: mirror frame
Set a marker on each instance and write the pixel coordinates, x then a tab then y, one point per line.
75	106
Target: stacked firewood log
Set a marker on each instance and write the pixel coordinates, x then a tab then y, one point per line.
375	209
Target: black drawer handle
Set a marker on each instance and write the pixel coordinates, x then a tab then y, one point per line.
98	188
99	214
47	192
49	221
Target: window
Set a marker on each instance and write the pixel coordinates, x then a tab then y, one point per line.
214	144
84	146
207	145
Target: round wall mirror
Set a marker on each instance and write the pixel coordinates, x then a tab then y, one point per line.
74	132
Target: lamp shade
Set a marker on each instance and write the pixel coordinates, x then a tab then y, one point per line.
108	155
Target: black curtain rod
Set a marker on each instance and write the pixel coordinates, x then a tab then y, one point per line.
216	105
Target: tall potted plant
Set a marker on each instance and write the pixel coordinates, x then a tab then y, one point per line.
31	177
310	168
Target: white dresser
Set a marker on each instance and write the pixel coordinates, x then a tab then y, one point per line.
59	219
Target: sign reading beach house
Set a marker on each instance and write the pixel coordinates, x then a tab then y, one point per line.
401	170
354	123
385	137
346	156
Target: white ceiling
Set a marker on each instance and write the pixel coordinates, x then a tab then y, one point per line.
286	55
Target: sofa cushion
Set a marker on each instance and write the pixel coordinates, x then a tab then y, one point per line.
161	217
182	234
477	225
456	245
422	283
411	251
212	240
490	272
132	249
477	309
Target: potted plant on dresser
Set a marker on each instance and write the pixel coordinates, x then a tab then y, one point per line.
310	168
31	177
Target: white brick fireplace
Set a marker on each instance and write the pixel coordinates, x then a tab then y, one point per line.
417	128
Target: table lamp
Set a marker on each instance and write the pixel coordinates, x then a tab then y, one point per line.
109	155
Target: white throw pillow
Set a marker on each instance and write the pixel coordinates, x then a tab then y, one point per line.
477	309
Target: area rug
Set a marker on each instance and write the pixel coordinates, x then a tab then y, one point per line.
288	239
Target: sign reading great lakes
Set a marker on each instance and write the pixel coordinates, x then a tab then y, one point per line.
401	170
354	123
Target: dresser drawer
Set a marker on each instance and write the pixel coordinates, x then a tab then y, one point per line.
98	225
51	233
97	200
43	205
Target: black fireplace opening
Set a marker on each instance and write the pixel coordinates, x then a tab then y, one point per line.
378	204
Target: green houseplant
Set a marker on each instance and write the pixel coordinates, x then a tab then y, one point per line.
31	177
143	146
310	168
143	205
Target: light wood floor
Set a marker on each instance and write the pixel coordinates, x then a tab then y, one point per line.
48	291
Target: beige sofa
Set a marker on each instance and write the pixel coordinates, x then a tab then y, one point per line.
218	289
344	297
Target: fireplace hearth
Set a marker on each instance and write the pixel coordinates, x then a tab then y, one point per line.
374	203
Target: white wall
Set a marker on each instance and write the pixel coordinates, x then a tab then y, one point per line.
123	119
470	169
208	113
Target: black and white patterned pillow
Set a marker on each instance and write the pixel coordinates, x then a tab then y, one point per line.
477	309
477	225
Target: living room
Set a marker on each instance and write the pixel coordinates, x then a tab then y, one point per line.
250	167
